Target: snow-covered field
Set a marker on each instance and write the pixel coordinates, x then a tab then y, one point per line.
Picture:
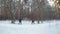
47	27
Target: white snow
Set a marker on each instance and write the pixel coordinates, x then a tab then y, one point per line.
47	27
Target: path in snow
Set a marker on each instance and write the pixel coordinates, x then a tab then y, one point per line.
47	27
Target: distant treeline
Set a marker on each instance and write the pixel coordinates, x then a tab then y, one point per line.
30	9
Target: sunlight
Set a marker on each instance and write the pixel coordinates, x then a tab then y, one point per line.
51	3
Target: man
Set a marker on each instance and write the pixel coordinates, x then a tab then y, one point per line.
33	22
20	21
13	21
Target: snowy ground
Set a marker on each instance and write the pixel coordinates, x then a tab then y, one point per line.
47	27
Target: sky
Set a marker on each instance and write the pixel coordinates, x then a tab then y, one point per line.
51	3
